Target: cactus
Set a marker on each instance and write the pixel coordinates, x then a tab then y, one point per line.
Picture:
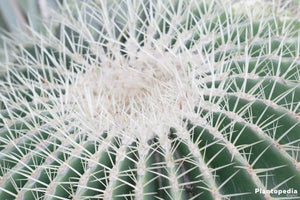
154	99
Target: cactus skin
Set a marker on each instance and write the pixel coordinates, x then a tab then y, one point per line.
153	100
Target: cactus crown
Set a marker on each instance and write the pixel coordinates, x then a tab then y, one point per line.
153	100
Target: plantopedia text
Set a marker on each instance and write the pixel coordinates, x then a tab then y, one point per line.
290	191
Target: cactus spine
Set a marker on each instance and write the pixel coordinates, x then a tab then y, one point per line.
153	100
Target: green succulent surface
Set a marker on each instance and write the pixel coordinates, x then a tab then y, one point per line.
177	99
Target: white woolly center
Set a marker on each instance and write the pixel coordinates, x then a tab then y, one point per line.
143	94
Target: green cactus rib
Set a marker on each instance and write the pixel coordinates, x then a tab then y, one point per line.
154	99
46	172
92	182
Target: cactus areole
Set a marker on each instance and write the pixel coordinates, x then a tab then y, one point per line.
177	99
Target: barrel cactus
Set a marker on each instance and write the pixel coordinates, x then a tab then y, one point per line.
177	99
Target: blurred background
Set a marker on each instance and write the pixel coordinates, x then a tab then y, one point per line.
17	15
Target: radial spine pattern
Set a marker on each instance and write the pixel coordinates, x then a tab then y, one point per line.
176	99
